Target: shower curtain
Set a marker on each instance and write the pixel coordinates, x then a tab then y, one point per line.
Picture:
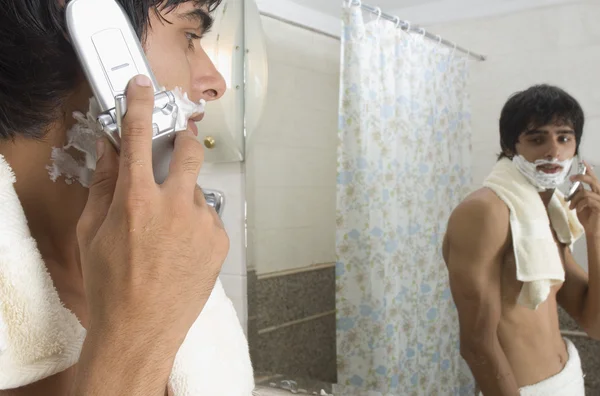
404	162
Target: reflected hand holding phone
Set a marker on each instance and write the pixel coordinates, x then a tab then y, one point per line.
577	169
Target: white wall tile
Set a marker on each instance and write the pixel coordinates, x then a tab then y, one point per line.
283	207
294	167
234	285
236	289
590	145
229	179
280	249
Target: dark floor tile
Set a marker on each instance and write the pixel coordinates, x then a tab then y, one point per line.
305	350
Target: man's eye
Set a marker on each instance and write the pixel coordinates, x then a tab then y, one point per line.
191	37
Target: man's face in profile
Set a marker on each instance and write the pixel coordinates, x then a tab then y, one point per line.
175	53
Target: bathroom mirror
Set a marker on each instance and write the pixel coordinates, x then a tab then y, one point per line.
290	200
355	165
235	44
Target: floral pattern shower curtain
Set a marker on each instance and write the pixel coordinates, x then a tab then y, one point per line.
404	162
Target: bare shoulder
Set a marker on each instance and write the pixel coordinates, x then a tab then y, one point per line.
479	225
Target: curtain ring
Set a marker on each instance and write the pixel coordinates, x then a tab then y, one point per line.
357	3
378	14
423	32
439	44
408	26
397	21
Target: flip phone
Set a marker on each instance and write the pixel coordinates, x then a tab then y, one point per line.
582	170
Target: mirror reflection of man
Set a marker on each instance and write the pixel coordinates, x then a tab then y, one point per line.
510	339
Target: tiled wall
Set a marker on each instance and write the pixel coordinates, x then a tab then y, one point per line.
229	178
291	326
291	157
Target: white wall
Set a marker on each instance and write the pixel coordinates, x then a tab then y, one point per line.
303	14
291	158
559	45
443	11
229	179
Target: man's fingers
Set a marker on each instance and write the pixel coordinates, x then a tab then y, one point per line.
583	194
590	169
187	159
588	179
102	189
591	202
578	196
136	132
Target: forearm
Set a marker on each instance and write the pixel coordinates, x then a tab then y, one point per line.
591	311
115	365
491	369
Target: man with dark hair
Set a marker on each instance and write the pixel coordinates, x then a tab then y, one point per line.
133	263
508	253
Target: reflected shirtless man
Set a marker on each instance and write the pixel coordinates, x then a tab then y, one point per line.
513	349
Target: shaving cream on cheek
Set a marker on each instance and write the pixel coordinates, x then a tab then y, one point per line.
76	161
541	180
186	108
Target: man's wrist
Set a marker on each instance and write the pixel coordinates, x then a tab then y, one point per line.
120	362
146	349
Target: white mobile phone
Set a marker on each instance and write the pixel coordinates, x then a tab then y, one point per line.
581	170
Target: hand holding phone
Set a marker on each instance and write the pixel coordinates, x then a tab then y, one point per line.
150	257
581	170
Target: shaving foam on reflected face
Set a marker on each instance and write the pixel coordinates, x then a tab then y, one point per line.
539	179
76	161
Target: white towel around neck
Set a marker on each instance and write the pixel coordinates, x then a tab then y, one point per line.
537	257
39	337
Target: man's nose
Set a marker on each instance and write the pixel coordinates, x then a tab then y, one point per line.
207	80
553	150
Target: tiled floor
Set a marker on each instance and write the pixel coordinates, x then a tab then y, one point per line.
291	324
300	385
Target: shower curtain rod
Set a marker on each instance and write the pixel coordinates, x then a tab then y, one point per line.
414	29
299	25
